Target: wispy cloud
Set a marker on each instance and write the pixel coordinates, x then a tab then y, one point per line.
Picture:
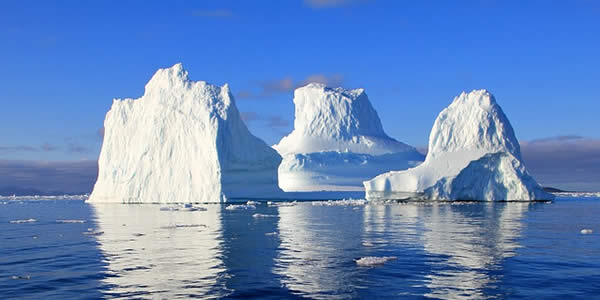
277	122
272	121
334	80
100	133
46	147
330	3
268	88
249	116
213	13
277	86
569	162
67	177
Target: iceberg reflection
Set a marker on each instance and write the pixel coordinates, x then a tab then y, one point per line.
318	249
467	244
160	254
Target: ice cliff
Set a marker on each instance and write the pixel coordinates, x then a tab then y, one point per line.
473	155
182	141
337	142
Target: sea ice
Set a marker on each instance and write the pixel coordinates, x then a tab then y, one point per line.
23	221
70	221
239	206
370	261
258	216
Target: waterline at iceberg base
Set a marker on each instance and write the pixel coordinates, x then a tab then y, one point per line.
184	141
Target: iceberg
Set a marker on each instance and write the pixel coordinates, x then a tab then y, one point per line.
337	142
473	155
183	141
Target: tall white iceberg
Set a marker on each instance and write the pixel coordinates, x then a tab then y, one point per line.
337	142
182	141
473	155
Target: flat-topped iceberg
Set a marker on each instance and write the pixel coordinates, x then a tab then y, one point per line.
182	141
473	155
337	142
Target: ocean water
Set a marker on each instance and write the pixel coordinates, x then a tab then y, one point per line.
68	249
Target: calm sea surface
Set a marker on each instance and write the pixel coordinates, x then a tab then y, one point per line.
68	249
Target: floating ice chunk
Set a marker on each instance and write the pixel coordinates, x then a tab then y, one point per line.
369	261
185	207
70	221
280	204
586	231
23	221
239	206
344	202
271	233
250	202
263	216
92	232
18	277
578	194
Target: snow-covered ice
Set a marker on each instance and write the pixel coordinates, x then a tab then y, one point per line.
23	221
182	141
71	221
370	261
259	216
586	231
239	206
337	142
473	155
344	202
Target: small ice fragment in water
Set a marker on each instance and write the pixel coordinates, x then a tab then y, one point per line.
26	277
239	206
281	204
262	216
271	233
23	221
70	221
92	232
369	261
343	202
586	231
250	202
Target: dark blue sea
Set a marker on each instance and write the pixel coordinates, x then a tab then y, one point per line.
69	249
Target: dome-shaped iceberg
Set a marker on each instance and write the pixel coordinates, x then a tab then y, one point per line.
473	155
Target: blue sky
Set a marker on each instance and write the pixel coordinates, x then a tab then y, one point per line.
64	62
